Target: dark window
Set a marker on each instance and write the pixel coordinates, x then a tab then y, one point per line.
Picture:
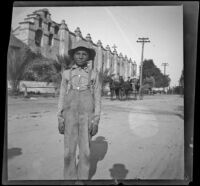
40	22
38	37
56	30
49	26
118	67
111	65
45	14
50	39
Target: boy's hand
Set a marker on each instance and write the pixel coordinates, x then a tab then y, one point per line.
61	125
94	125
94	130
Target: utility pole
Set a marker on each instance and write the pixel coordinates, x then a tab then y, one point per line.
164	64
142	40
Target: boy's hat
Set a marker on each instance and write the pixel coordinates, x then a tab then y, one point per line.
82	45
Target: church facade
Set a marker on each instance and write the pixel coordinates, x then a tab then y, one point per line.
49	38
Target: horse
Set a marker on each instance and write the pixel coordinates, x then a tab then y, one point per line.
115	89
121	88
112	88
128	88
136	87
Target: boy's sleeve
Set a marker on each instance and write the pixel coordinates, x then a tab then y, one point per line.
63	90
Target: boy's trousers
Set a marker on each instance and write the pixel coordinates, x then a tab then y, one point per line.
77	113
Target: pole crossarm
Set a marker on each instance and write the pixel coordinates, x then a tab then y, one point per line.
165	65
143	40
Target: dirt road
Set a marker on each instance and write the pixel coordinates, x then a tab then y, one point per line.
137	139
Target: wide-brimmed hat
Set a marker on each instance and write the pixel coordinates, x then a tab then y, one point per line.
82	45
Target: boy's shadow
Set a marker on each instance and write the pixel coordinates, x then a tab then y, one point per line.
99	148
118	171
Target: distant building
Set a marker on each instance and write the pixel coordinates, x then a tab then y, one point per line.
49	38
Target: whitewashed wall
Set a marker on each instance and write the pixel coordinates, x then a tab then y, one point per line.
45	87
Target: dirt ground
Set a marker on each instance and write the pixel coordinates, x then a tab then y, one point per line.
137	139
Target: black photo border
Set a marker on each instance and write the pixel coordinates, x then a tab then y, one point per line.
190	46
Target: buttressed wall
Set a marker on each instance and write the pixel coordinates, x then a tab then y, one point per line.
49	38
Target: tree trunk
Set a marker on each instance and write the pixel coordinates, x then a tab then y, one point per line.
25	92
15	86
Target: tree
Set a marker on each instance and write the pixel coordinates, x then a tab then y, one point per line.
41	69
151	70
63	62
18	58
166	80
150	81
105	78
48	70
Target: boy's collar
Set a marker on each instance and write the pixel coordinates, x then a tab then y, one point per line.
76	66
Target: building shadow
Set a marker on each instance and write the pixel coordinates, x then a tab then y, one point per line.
118	171
14	152
98	151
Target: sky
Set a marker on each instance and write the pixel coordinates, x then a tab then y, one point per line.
122	26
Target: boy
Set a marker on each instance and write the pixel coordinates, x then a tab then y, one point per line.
79	110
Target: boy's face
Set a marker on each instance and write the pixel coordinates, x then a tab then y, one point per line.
81	57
